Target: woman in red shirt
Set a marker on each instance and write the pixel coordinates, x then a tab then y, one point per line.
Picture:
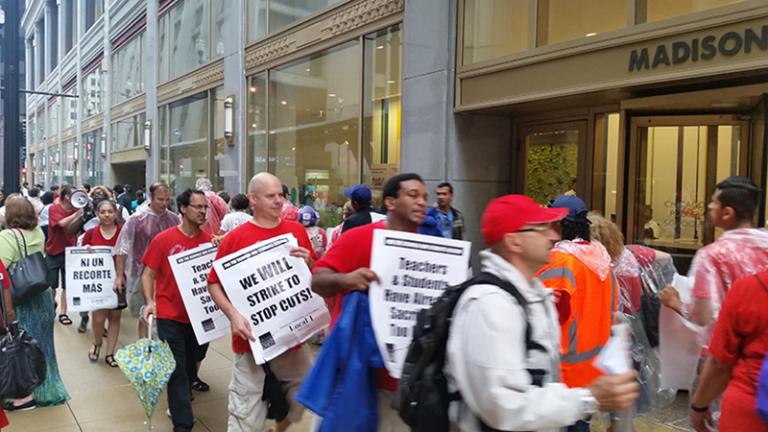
739	344
105	234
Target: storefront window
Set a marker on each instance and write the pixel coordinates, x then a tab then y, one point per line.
382	107
284	12
188	150
53	118
163	132
69	108
257	123
314	113
92	166
495	28
606	164
552	158
127	64
93	85
128	133
162	49
68	162
189	31
220	10
54	163
94	9
656	10
564	20
257	19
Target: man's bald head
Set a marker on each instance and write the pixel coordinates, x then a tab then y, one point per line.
265	195
261	180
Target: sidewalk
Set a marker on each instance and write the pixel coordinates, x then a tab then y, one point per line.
103	400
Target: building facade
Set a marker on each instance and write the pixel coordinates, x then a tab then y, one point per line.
641	105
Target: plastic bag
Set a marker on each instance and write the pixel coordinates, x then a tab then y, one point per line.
22	363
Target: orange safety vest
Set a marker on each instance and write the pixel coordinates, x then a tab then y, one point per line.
592	303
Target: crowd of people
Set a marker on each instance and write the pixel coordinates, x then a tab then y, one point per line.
524	361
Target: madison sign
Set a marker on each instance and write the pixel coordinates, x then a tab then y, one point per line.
705	48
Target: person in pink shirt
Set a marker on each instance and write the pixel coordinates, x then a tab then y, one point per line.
741	251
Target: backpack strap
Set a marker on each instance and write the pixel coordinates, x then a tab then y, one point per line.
485	278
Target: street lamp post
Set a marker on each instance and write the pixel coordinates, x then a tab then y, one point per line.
12	133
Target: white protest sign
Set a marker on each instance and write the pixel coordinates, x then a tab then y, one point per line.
90	275
190	269
271	289
414	270
679	347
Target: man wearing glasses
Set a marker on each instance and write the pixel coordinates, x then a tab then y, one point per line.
503	358
164	301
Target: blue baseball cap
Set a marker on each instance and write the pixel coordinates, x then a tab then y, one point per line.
577	209
359	193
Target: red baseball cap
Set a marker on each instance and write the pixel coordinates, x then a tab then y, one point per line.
509	213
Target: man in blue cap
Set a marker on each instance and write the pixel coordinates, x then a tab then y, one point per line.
361	197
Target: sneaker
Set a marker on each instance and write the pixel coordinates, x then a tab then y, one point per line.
10	407
168	411
200	385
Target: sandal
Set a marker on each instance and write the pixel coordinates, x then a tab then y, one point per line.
110	360
200	385
93	354
64	319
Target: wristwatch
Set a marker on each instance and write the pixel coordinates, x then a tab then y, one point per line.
588	402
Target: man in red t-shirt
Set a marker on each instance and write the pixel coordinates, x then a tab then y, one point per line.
163	299
247	411
346	267
64	222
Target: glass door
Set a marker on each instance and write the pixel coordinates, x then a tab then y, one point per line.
553	160
677	162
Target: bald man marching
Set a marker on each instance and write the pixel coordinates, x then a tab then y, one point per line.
247	412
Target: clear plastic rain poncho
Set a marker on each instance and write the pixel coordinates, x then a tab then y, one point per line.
737	253
642	273
138	231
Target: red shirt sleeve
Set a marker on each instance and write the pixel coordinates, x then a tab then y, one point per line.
55	214
5	280
222	251
348	252
726	342
88	237
155	254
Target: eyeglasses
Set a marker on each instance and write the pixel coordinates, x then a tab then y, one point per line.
538	229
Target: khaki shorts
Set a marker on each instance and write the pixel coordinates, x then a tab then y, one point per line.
247	412
134	295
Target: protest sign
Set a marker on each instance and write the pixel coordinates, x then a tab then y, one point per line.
90	275
271	289
191	268
679	346
414	270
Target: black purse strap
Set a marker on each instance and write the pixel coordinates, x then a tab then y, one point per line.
4	312
18	245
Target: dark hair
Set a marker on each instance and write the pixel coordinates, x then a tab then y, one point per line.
34	192
118	189
392	186
185	197
239	202
127	188
286	192
106	201
54	187
47	198
741	194
446	185
156	186
87	187
573	230
66	191
224	196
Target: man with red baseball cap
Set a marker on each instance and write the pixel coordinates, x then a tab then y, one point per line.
503	356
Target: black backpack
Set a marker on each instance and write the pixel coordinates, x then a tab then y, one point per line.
423	396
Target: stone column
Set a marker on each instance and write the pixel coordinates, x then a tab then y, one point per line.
150	88
235	85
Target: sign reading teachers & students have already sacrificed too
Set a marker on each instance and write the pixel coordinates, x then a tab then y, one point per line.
90	275
414	270
272	290
191	268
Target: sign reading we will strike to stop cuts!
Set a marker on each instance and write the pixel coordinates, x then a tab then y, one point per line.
272	290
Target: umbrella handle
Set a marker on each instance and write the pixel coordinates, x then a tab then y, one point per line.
150	323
